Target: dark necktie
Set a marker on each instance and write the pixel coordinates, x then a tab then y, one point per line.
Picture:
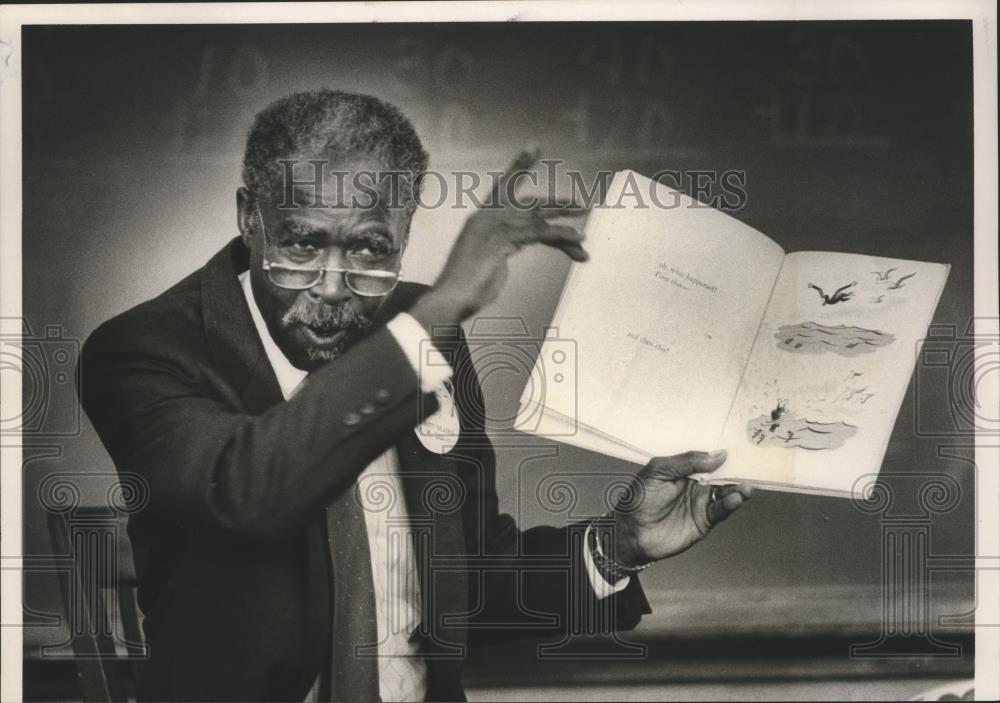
352	672
354	660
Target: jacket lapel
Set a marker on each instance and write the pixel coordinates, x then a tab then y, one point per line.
236	348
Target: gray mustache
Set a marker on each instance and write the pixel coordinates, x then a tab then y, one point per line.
325	317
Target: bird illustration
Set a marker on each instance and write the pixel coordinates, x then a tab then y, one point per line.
884	275
898	283
779	410
838	296
853	392
878	299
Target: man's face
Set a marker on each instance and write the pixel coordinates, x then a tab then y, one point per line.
315	325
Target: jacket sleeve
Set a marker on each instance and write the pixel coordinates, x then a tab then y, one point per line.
530	582
161	414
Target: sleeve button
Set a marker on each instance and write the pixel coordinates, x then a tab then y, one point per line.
382	395
367	409
352	419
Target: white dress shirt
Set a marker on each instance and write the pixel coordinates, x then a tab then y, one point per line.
402	671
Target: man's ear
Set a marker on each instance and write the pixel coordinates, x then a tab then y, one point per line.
245	215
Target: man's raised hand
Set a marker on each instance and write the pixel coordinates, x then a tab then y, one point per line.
476	269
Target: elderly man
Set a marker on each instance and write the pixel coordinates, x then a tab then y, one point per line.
300	540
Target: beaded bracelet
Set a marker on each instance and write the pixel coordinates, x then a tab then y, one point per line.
610	569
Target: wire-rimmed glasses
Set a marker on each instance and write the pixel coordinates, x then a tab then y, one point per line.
370	283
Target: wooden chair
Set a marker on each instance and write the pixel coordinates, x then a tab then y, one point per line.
99	600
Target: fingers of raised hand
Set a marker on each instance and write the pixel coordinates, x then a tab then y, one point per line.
527	223
561	237
522	163
522	228
555	209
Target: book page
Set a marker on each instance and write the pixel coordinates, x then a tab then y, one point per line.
827	375
659	323
549	424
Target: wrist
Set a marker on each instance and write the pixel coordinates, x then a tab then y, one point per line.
620	542
611	570
614	547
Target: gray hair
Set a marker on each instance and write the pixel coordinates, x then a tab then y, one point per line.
331	123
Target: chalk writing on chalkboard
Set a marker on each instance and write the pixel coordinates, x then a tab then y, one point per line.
817	101
240	75
624	110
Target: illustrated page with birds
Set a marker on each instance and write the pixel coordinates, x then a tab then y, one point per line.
795	363
829	368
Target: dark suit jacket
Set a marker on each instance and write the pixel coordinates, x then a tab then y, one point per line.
231	550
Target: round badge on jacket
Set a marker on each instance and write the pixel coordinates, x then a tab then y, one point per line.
439	432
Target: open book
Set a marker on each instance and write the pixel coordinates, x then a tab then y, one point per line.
688	329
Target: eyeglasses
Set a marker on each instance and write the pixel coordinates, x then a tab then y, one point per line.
369	283
365	283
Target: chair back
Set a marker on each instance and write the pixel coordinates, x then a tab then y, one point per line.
99	601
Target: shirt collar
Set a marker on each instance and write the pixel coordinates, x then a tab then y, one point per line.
289	377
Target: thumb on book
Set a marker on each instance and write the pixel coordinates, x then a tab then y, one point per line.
683	465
